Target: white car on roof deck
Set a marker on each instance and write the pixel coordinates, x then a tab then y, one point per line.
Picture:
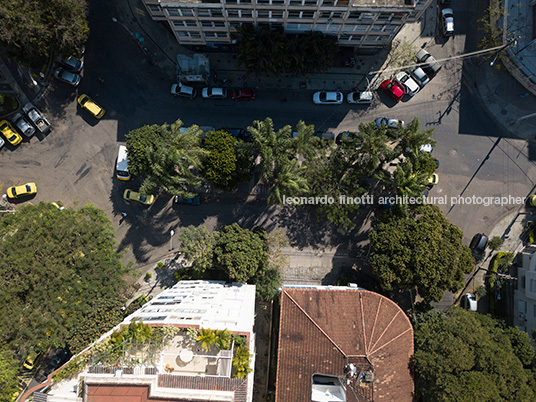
328	98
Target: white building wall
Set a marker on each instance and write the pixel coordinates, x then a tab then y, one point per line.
525	294
362	24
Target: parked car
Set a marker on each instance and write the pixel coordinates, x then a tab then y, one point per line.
131	195
345	136
239	133
2	142
196	200
22	190
433	179
420	76
447	21
91	106
360	97
214	93
432	67
392	89
390	123
469	302
328	98
36	117
184	91
479	242
32	358
23	125
10	133
244	94
407	83
67	77
325	135
72	64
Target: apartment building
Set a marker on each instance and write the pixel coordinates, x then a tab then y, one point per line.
178	367
525	294
365	24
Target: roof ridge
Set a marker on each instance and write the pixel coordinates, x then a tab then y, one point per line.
315	324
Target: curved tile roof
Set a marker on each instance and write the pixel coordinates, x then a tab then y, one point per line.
323	330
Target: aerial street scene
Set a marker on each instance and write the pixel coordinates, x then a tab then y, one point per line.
267	200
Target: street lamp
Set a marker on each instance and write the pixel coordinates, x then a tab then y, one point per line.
171	233
513	41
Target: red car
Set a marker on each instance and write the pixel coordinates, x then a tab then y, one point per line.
243	94
393	90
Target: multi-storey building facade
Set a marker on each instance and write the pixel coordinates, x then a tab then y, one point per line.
364	24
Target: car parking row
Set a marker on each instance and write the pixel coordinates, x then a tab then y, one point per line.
25	122
186	91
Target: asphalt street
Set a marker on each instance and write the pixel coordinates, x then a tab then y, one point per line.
74	164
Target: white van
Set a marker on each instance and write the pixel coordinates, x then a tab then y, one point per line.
122	164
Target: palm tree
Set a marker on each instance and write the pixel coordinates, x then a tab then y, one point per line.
273	146
174	167
305	144
412	138
288	180
371	147
404	181
207	338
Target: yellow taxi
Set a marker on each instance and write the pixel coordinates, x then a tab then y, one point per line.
32	358
9	132
89	104
433	179
22	190
131	195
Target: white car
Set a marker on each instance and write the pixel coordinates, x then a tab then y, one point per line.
328	98
391	123
470	302
214	93
360	98
420	76
426	148
68	77
407	83
183	90
447	21
22	124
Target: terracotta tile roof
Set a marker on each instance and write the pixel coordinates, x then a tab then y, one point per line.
101	392
323	330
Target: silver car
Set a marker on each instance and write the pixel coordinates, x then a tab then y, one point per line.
68	77
432	67
420	76
22	124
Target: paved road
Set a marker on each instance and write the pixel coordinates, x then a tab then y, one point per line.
75	162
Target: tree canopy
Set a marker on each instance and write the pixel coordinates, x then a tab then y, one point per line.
56	268
220	164
267	51
31	29
234	253
463	355
423	250
166	158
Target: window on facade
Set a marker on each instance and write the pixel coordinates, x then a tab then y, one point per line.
533	285
310	2
263	14
328	2
367	17
186	12
247	13
360	28
295	2
263	2
384	16
277	14
232	13
522	282
534	310
376	28
155	9
231	1
203	12
217	13
398	16
294	14
308	14
173	12
354	15
278	2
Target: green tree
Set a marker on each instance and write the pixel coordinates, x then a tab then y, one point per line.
166	158
241	253
53	266
288	180
9	368
412	138
306	143
423	250
33	29
462	355
369	147
495	243
197	244
207	337
220	163
268	283
405	180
